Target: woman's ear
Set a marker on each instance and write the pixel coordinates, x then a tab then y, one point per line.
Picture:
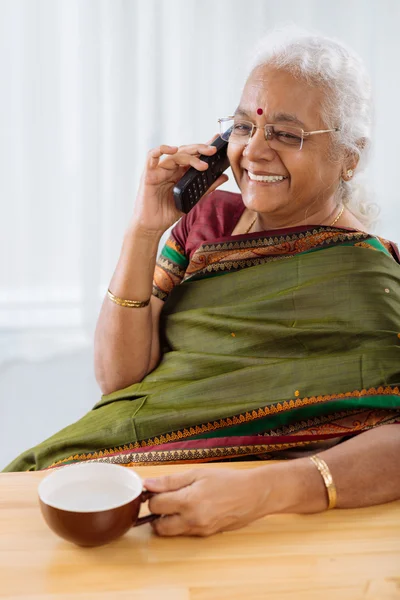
362	143
351	160
349	166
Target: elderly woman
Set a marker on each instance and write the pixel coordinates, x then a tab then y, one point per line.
273	326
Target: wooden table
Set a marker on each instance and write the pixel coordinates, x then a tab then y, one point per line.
341	554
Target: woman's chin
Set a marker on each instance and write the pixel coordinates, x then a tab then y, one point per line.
263	197
262	203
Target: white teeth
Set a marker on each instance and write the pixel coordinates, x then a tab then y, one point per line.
269	178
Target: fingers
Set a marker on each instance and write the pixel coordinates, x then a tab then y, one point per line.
155	154
170	483
169	503
183	156
188	156
198	149
170	526
183	160
179	525
172	492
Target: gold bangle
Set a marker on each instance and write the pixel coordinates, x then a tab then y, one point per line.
127	303
328	479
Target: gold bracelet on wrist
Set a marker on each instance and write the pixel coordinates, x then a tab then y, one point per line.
328	479
127	303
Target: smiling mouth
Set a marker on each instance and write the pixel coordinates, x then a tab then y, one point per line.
265	178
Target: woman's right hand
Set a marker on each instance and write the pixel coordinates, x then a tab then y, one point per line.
155	209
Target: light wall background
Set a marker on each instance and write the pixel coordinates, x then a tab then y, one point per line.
86	88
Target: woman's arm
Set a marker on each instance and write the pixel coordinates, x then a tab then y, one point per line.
365	470
126	340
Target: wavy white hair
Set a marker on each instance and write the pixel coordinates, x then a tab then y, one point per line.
328	62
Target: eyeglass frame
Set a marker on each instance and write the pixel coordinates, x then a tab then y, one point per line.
303	133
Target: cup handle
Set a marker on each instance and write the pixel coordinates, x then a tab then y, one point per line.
145	495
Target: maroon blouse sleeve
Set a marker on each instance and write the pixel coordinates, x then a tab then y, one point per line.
215	216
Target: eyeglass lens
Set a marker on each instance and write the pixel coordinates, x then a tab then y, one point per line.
278	136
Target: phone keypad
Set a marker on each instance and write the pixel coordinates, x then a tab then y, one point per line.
198	186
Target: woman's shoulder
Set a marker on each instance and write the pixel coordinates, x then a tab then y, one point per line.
214	216
391	247
350	221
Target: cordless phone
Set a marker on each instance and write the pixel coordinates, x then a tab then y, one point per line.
194	183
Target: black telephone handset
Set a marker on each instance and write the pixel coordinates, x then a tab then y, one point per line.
194	183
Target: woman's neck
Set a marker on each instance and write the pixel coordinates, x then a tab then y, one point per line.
325	216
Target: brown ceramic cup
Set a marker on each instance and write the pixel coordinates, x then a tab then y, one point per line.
91	504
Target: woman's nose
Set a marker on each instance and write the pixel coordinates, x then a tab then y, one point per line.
258	146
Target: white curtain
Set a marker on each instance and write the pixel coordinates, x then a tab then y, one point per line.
88	86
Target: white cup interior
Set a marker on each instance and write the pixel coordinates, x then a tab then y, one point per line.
90	487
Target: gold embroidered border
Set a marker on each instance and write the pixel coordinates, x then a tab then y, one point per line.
158	293
228	265
189	455
167	265
172	243
298	427
310	239
232	255
340	423
260	413
366	245
388	245
166	276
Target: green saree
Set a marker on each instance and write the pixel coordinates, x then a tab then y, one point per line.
270	343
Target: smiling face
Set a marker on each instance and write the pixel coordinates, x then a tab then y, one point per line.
311	174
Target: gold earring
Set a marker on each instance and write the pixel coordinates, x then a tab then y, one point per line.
350	173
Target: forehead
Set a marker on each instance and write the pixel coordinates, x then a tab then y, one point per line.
277	91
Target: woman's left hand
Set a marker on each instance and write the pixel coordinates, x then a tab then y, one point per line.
202	502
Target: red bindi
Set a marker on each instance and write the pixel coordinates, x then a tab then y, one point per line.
259	111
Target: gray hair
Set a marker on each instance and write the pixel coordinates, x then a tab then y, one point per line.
328	62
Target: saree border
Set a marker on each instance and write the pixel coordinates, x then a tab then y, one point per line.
246	417
179	456
159	456
226	256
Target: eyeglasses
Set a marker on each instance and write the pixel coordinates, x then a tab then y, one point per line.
279	137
